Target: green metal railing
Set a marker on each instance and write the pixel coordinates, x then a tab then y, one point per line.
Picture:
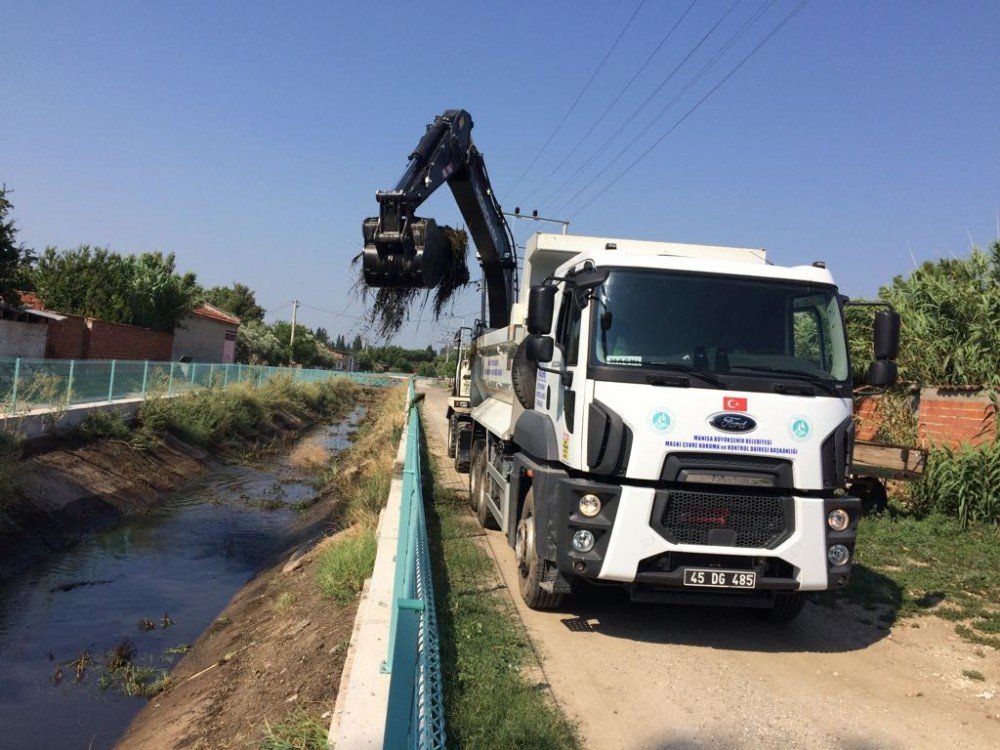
36	384
415	715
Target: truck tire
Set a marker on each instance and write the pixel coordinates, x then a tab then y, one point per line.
483	514
529	567
874	498
451	436
476	472
786	608
461	465
523	374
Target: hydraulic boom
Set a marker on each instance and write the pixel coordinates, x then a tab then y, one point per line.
405	250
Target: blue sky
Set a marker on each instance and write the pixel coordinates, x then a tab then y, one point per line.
250	138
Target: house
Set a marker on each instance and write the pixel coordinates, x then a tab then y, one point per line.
24	333
342	361
208	334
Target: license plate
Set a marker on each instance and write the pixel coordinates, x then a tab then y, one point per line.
728	579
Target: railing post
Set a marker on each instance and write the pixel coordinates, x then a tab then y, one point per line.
145	377
69	384
225	377
111	382
170	380
17	375
193	365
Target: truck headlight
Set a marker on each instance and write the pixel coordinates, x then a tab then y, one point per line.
838	519
583	541
590	505
838	555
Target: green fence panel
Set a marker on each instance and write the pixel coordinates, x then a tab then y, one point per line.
47	384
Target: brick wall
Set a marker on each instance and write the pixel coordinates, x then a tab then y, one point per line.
118	341
950	417
67	338
86	338
867	416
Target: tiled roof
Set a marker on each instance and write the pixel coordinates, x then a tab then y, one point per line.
214	313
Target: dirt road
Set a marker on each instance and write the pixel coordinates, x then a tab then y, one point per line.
658	676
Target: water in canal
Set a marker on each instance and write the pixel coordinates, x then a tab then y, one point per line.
183	561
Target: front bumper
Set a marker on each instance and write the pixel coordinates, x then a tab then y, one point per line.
632	546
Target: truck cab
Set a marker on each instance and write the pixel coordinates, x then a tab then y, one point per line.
672	418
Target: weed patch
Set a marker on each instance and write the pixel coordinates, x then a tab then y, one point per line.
104	424
909	566
343	567
299	732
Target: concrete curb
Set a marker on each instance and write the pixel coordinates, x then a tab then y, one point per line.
359	713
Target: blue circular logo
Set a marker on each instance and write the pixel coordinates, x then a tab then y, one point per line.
800	428
661	420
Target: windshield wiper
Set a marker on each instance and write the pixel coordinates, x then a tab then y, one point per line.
825	383
686	369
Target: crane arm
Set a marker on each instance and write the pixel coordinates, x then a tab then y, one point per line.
405	250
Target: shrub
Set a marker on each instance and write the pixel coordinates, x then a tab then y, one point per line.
964	482
950	310
343	568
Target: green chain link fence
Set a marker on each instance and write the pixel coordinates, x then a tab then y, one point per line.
28	385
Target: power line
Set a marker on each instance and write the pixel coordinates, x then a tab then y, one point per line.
701	101
726	46
578	97
631	118
604	114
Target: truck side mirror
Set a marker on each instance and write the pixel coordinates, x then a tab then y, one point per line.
538	348
882	373
886	333
541	304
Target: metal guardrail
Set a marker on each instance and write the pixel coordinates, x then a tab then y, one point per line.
415	714
30	384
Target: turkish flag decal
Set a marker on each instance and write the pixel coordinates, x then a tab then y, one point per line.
732	403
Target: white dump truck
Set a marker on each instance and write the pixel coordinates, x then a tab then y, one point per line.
672	418
460	412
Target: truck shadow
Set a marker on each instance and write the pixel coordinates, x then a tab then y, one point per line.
608	611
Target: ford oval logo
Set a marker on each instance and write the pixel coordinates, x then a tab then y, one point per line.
733	422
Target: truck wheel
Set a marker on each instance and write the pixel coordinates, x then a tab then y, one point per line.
529	567
874	498
477	467
483	514
451	437
786	608
461	466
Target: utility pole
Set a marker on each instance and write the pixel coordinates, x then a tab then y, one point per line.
291	343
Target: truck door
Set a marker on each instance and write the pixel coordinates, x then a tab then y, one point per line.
564	396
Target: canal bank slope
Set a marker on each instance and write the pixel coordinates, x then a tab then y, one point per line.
63	488
268	668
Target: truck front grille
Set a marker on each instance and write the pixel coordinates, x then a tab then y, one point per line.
726	520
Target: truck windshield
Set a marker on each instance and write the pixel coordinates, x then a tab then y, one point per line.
720	324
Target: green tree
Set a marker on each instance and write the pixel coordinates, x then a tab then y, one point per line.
950	312
159	297
257	344
90	281
357	344
322	335
14	257
238	299
142	290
